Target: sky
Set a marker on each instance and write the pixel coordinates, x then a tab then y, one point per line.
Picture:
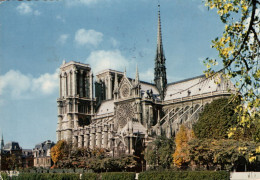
37	36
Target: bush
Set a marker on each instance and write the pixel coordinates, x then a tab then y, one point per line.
46	176
118	176
4	176
187	175
89	176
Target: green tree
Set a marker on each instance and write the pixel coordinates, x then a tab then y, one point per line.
216	119
159	153
224	154
239	50
13	161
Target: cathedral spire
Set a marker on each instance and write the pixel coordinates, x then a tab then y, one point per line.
160	78
136	75
2	142
159	33
125	72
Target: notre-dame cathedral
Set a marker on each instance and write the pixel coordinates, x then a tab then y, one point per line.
123	114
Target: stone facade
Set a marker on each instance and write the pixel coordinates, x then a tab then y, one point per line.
27	158
127	113
42	154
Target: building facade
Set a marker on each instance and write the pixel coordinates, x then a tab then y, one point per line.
123	114
27	158
42	154
10	155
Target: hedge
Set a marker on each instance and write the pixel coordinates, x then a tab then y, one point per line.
4	176
46	176
89	176
118	176
73	176
187	175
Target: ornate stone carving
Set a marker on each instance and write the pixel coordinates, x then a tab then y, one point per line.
125	91
123	112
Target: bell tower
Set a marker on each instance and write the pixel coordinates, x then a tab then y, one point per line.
75	104
160	78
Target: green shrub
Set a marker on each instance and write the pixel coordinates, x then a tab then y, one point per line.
89	176
187	175
46	176
118	176
4	176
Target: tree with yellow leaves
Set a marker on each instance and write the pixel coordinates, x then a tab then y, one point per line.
181	154
58	151
239	51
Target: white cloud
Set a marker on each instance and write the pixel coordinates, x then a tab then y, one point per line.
101	60
83	2
63	38
84	37
46	83
147	75
26	8
21	86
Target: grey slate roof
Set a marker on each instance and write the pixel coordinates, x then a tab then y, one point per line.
12	146
43	147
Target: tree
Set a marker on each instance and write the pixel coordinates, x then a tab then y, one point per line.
13	161
239	50
216	119
59	151
181	155
159	153
224	154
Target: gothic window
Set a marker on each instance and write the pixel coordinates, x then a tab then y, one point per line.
66	84
70	83
60	86
70	106
125	91
78	83
82	141
87	87
76	141
120	149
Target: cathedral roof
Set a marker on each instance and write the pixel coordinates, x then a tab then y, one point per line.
106	107
148	86
136	126
196	86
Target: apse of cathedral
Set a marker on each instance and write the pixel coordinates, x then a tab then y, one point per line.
123	114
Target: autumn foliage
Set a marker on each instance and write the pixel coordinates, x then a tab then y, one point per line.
58	151
181	154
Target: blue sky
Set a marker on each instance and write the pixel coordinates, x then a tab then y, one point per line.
36	36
